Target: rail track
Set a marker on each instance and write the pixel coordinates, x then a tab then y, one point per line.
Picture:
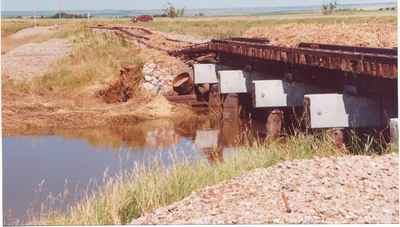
145	37
379	62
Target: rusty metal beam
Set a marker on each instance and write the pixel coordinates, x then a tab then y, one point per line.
374	62
371	50
253	40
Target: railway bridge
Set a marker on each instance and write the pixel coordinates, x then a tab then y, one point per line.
322	86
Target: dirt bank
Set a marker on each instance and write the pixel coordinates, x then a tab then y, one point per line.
349	189
25	115
71	99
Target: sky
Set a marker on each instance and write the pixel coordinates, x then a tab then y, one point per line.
29	5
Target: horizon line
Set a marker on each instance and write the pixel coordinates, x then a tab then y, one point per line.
371	3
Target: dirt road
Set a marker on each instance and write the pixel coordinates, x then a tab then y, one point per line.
349	189
28	35
33	59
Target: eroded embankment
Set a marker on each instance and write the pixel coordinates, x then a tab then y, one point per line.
349	189
48	85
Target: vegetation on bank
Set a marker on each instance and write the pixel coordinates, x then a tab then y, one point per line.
11	26
8	28
95	60
144	189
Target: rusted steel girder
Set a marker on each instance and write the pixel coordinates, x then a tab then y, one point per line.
253	40
371	50
376	63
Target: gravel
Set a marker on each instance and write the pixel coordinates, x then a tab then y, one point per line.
349	189
33	59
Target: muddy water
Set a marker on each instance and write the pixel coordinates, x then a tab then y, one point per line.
56	169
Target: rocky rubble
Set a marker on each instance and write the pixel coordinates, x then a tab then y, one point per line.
156	78
349	189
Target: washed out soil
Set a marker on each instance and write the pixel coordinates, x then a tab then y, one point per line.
22	114
122	88
120	102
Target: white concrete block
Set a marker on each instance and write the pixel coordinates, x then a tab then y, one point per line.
206	138
205	74
342	111
279	93
394	131
232	81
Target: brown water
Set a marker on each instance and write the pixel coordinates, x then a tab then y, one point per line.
56	169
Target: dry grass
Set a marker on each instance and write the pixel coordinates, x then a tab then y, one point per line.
360	34
9	27
222	27
95	60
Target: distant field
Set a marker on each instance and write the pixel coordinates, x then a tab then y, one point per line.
221	27
365	28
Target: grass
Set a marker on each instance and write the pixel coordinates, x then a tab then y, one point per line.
217	27
222	27
145	189
95	59
11	26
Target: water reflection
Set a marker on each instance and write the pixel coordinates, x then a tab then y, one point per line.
65	163
158	134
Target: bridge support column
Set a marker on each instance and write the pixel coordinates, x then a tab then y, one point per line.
394	131
278	95
274	125
214	100
338	139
